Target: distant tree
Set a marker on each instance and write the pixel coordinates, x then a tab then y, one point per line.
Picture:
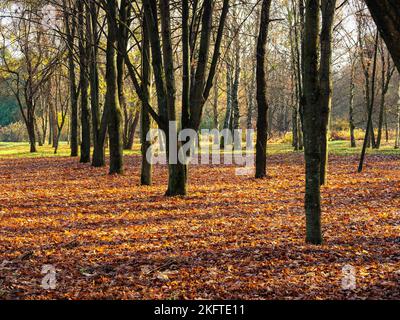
28	62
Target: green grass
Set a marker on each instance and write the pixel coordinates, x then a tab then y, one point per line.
21	150
340	148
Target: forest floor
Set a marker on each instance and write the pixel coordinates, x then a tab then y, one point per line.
232	237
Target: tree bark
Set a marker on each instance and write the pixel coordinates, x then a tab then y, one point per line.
261	95
177	171
351	108
99	125
397	142
112	100
70	24
369	130
84	84
328	13
146	168
228	112
386	14
386	76
312	123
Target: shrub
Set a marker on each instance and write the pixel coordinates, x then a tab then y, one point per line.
15	132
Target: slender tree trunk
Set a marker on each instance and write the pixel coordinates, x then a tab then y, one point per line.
262	104
30	124
131	132
381	121
186	58
235	88
53	117
250	97
351	108
228	113
296	72
386	127
84	85
328	14
295	133
98	124
301	54
369	130
235	99
177	170
146	169
382	101
50	127
397	143
387	73
112	101
38	134
70	35
215	104
124	17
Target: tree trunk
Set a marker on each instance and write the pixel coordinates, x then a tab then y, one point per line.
351	108
328	14
70	35
386	14
397	143
146	168
228	113
112	100
250	97
295	133
98	123
53	118
30	125
387	73
369	130
84	85
131	132
215	105
177	170
312	123
262	104
235	88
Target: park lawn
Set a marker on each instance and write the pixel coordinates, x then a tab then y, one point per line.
340	148
232	237
21	150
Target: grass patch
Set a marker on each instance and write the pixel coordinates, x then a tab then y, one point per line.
339	148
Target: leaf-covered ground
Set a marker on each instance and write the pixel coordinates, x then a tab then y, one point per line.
232	238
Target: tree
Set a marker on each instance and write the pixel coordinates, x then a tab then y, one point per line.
112	102
84	47
387	71
200	83
146	168
369	129
70	30
328	13
367	43
315	83
33	65
386	14
262	104
397	143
